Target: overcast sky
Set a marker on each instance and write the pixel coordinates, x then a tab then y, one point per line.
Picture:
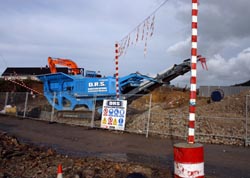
86	32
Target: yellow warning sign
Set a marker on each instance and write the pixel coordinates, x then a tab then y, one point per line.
104	121
115	122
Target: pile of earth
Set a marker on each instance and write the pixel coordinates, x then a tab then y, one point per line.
176	101
170	112
23	160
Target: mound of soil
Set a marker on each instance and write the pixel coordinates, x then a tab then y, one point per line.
22	160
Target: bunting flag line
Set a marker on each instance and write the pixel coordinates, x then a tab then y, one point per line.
152	26
144	31
141	33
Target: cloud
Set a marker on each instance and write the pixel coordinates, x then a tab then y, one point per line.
180	48
221	71
223	38
221	24
85	31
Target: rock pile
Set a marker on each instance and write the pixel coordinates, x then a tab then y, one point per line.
22	160
221	122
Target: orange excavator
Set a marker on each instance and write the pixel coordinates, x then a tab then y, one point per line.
64	62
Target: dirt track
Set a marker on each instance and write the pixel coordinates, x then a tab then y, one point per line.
220	160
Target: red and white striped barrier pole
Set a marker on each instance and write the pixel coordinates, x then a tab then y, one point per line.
117	70
192	101
189	157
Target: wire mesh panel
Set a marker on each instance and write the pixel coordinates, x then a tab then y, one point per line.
220	130
168	125
38	107
138	114
15	103
223	121
3	101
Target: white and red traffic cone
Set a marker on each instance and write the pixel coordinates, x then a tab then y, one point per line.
59	171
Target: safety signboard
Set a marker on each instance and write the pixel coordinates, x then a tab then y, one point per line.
114	114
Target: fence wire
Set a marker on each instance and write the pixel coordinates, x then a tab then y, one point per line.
143	117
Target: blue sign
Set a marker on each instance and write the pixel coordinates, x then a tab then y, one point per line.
116	112
111	112
120	121
122	112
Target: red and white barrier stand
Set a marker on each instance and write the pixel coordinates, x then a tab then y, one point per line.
188	160
59	171
189	157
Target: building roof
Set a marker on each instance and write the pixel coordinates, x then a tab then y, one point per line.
24	71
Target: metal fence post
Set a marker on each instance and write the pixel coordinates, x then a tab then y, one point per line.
197	126
149	114
6	99
53	108
93	113
25	104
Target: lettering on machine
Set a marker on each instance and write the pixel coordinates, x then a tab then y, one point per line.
96	84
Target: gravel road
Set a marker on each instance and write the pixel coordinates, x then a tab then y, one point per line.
220	160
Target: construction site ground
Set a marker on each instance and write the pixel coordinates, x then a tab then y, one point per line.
31	148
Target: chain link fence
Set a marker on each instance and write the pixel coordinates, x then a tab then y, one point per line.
143	117
26	105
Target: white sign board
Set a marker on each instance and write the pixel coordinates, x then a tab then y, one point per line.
114	114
